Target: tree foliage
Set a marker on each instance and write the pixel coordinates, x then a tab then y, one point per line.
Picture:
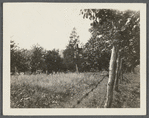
18	58
121	32
23	60
117	27
53	61
72	53
37	59
96	54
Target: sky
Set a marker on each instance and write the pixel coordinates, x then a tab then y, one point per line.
48	24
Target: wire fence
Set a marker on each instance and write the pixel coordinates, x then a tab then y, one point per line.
91	90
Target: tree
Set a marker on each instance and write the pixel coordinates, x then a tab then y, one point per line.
24	60
18	59
72	51
53	61
13	56
37	58
118	28
97	55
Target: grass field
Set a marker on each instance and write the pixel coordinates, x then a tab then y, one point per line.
69	90
129	92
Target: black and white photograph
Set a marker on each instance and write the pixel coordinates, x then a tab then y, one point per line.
74	58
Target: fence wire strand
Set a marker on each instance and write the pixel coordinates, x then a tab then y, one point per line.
79	101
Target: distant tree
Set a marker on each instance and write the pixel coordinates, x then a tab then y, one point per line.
13	52
53	61
24	60
37	58
18	59
72	53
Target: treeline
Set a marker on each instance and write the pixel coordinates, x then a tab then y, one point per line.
37	58
95	54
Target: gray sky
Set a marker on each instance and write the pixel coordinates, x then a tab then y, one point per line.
48	24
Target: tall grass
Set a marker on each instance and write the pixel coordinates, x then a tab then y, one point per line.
35	91
64	90
128	95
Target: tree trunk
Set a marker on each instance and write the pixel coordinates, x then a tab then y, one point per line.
117	74
110	84
76	68
121	71
15	69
